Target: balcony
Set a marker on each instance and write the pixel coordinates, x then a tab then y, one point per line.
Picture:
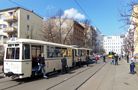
12	18
10	30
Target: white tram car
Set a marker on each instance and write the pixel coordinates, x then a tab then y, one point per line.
20	53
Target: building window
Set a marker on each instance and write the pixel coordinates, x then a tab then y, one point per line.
28	17
1	26
11	13
27	27
0	16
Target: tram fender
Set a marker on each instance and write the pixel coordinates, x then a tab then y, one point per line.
12	74
9	74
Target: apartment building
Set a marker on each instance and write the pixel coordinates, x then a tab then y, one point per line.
19	22
90	35
65	31
112	44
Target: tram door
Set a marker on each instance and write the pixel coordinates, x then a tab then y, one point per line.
26	60
30	56
36	50
74	56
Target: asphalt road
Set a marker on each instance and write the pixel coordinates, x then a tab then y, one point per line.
70	81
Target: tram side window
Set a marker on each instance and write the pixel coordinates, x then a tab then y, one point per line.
50	52
75	52
69	53
26	51
58	52
54	52
80	52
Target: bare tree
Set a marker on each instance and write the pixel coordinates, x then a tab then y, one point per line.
67	38
55	29
87	39
129	13
48	30
130	17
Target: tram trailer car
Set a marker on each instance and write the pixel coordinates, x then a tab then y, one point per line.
80	55
19	54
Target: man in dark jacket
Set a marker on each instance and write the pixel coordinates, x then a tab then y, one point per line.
116	59
41	63
87	60
64	64
104	58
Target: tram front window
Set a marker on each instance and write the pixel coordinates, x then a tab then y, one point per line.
12	53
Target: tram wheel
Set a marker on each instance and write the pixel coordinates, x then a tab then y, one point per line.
13	77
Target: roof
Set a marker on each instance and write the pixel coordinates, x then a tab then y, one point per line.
13	8
14	40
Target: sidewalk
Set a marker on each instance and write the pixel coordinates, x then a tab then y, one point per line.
112	77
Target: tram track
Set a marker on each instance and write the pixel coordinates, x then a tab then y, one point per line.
11	86
10	83
89	77
50	88
21	82
67	79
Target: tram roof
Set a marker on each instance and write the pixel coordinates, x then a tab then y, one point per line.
85	48
82	48
19	40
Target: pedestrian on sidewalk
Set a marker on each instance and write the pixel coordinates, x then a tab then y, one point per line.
127	57
132	65
87	59
113	60
116	59
96	59
104	58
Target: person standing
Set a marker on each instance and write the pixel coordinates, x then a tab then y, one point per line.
87	60
64	64
96	58
79	62
132	65
104	58
116	59
127	57
41	63
113	59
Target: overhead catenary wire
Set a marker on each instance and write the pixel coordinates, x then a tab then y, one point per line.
81	8
13	2
88	17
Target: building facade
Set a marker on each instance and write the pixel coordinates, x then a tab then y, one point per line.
19	22
112	44
90	36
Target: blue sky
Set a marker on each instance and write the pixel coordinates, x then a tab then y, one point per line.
104	14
